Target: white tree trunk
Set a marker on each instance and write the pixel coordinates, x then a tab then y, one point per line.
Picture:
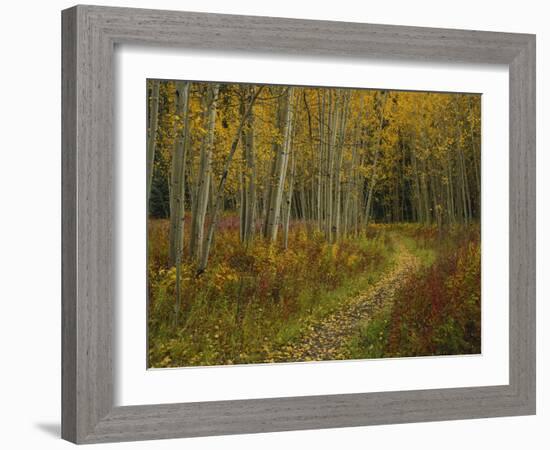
203	188
281	163
152	136
177	188
372	183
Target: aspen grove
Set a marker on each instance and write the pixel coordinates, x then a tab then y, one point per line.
291	223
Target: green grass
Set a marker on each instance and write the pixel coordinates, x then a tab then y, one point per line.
426	255
372	337
321	304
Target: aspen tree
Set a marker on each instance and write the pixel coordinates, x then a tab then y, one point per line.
250	174
177	189
280	168
152	134
372	182
205	175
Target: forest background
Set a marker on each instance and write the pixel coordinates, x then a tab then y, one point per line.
278	215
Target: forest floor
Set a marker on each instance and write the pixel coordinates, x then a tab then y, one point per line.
400	290
330	337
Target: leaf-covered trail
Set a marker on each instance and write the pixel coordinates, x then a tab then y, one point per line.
328	339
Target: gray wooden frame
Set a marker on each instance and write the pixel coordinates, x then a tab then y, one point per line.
89	36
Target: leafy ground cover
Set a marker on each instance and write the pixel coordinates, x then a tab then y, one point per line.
437	309
255	299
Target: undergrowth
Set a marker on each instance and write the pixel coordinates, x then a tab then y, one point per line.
255	298
436	310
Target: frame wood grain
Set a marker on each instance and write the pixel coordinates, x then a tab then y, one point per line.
90	34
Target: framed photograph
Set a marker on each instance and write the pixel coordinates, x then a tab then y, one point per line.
278	224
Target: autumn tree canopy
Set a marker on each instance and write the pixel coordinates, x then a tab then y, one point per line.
333	158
